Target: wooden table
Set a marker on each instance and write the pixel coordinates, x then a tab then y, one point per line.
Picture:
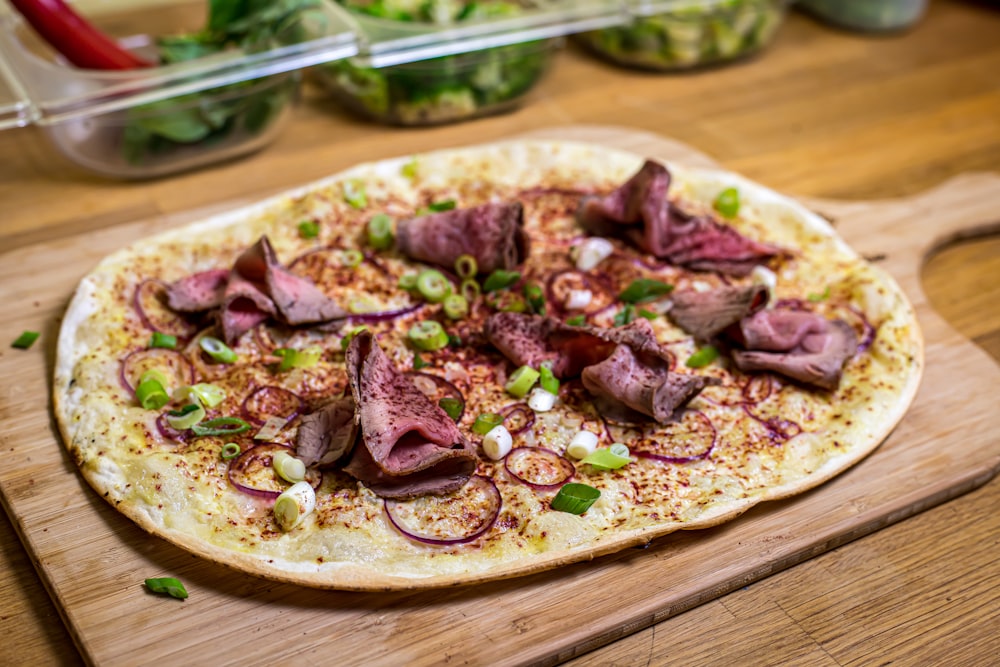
821	113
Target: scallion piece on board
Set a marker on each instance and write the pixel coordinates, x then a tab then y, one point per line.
728	202
163	340
380	232
433	286
428	335
25	340
500	279
167	586
644	289
486	422
218	350
703	357
521	381
575	498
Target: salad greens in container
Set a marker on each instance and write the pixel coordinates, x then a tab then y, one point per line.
868	15
146	89
669	35
444	89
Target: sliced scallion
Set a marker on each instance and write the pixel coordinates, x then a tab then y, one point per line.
703	357
453	407
25	340
304	358
409	169
346	340
418	362
308	229
609	458
163	340
816	297
728	202
221	426
466	267
455	306
288	467
535	296
521	381
218	350
644	289
576	320
351	257
380	232
209	395
433	286
230	450
428	335
575	498
167	586
625	315
354	193
294	504
470	290
151	394
500	279
186	417
547	380
486	422
408	281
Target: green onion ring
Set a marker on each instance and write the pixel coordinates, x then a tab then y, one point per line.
230	450
216	349
575	498
221	426
433	286
486	422
380	232
428	335
466	267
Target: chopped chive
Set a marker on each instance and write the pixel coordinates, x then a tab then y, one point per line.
728	202
25	340
648	314
440	206
308	229
167	586
380	232
500	279
453	407
575	498
163	340
703	357
644	289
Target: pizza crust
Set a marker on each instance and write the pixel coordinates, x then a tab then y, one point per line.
116	446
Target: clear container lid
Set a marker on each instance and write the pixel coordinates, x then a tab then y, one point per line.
45	90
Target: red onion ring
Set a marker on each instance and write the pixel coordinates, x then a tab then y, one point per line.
170	362
537	467
258	406
251	463
667	433
168	431
150	293
868	330
512	411
441	388
779	429
450	507
602	295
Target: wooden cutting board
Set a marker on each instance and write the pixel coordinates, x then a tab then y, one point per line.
93	560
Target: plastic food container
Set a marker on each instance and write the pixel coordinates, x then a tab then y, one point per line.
430	63
670	35
153	121
869	15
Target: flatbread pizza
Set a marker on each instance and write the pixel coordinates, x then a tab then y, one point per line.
476	364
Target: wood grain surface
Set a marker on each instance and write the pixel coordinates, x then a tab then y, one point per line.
908	112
